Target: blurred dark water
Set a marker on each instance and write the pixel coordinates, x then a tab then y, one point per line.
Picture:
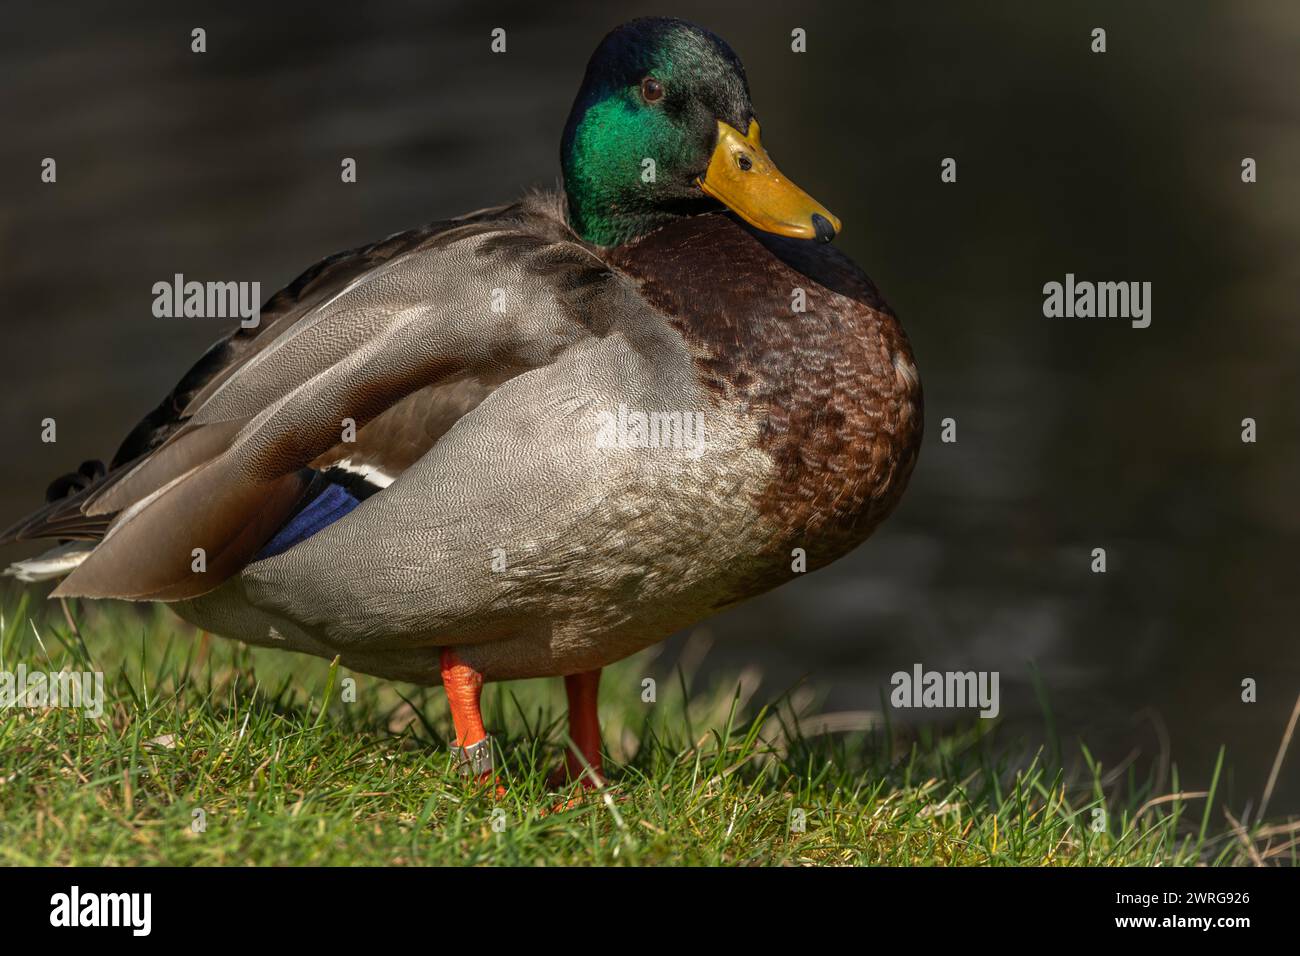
1072	434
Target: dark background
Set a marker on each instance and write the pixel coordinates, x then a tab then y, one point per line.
1073	434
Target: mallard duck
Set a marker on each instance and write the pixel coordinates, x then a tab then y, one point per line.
532	440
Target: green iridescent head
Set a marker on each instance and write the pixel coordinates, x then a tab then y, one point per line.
663	127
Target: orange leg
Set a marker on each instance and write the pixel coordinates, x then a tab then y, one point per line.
464	685
584	728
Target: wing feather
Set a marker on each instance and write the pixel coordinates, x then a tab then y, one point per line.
400	351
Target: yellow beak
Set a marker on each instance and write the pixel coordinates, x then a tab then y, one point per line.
743	178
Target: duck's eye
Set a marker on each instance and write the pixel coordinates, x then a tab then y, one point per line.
652	91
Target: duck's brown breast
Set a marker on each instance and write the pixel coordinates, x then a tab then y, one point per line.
797	338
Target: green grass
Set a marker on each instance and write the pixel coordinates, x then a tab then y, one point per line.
286	772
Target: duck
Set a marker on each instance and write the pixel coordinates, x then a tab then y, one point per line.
531	440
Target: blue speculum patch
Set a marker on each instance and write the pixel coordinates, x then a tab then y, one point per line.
331	504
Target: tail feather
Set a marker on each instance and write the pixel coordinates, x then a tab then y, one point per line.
55	563
61	518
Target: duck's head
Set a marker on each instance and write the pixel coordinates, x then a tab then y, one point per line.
662	128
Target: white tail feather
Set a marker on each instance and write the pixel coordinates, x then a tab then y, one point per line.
55	563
